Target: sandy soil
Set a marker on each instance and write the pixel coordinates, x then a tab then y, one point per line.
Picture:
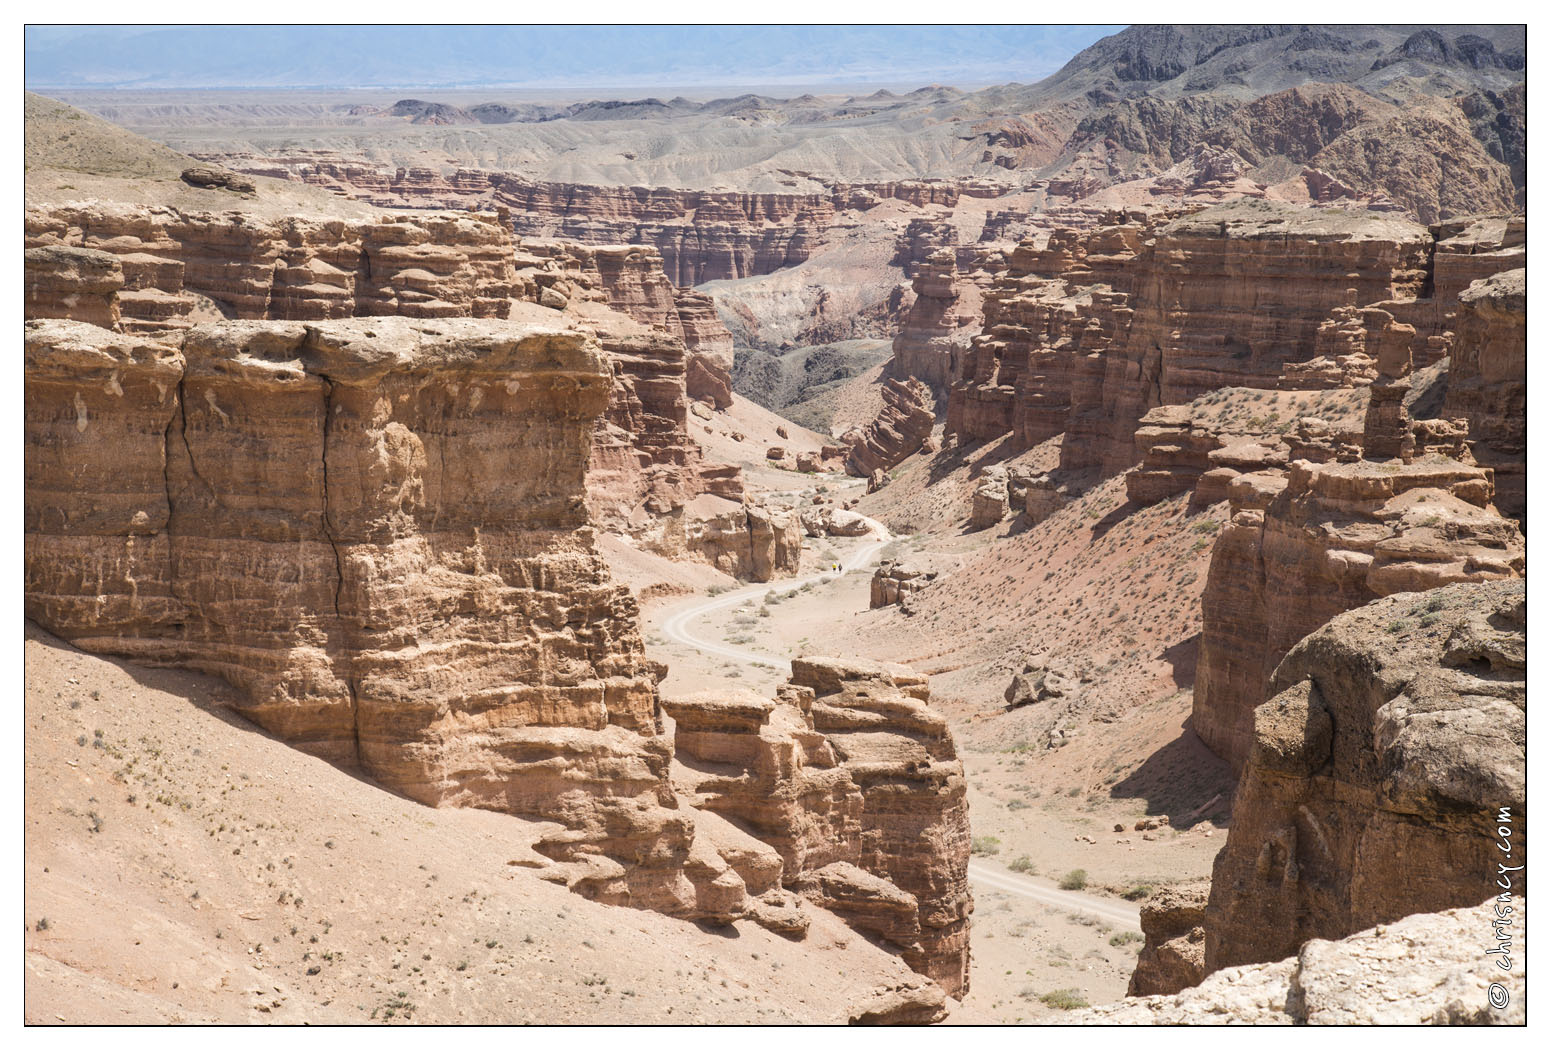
183	866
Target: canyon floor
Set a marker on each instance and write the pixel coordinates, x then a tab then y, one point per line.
1038	815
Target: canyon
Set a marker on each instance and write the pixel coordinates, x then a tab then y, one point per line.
1119	595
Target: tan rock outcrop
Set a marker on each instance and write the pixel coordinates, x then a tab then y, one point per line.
1174	955
1335	537
1487	381
897	432
854	780
183	267
374	528
1088	331
894	581
1378	770
77	283
1425	969
1227	297
635	284
750	541
989	501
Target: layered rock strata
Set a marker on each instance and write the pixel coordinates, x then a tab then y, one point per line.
179	269
854	781
376	529
635	284
702	235
1087	331
77	283
1322	539
1378	772
899	430
1487	389
936	330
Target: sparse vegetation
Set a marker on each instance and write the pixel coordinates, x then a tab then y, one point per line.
1076	879
985	845
1064	999
1021	863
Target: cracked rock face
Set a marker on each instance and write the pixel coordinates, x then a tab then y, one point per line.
1377	767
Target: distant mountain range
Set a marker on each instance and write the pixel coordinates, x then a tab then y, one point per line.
542	56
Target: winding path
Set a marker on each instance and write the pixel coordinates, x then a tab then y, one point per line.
677	628
1118	913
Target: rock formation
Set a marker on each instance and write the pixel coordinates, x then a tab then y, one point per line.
750	541
898	432
702	235
634	282
1487	382
376	529
78	283
894	581
989	501
1088	331
1304	547
937	328
1174	955
182	268
1376	773
854	781
1425	969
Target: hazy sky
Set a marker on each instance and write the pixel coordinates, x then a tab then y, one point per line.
544	56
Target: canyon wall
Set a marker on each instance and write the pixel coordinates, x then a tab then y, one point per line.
1376	774
179	269
899	430
702	235
1487	373
1321	539
1087	331
376	529
854	781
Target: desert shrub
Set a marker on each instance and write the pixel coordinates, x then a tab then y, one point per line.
986	845
1076	879
1064	999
